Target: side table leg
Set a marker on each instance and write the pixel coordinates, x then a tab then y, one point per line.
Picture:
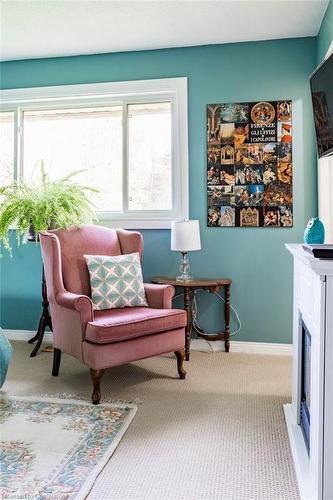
44	321
227	318
188	329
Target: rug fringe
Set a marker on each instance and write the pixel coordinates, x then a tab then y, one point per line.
65	395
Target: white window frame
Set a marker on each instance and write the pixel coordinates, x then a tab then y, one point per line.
173	90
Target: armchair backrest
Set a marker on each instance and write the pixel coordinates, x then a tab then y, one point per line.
91	240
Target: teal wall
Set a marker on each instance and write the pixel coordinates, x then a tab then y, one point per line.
325	35
255	259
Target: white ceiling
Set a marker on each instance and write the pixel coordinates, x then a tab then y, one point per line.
35	28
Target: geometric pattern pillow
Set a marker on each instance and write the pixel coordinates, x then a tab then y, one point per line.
116	281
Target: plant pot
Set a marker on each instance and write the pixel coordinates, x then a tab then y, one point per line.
31	234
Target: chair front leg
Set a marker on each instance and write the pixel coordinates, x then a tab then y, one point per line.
180	355
56	361
96	376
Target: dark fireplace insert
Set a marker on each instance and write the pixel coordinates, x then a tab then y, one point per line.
305	386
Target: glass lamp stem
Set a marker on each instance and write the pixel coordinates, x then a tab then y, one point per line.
184	268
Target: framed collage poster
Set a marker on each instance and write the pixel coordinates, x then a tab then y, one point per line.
249	164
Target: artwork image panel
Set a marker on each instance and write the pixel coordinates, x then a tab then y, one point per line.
241	134
270	173
262	113
249	174
213	216
284	111
221	195
277	194
228	196
284	132
227	131
227	218
271	217
214	155
250	217
285	172
249	195
249	154
256	194
286	216
214	195
284	151
269	152
234	112
227	155
227	175
255	154
213	123
242	156
213	175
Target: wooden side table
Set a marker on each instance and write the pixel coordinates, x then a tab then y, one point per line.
214	286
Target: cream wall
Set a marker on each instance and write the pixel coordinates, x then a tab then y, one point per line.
325	195
325	188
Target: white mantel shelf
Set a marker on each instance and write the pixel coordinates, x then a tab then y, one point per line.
313	308
323	267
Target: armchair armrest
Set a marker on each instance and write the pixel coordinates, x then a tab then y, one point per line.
80	303
159	296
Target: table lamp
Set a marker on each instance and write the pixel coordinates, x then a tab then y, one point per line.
185	237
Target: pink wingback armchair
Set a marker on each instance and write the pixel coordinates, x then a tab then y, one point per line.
101	339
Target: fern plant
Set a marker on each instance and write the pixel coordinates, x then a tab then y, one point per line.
43	205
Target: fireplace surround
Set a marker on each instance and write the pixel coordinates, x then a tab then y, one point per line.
309	417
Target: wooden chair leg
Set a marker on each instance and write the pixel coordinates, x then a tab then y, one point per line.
56	361
180	355
96	376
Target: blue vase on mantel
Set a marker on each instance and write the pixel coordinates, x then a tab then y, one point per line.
314	233
6	351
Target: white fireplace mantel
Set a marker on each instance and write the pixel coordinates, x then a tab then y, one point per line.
323	267
313	306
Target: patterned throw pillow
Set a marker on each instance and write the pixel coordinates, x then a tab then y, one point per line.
116	281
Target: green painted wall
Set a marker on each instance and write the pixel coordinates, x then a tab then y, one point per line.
254	258
325	35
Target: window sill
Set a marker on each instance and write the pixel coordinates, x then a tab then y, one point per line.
134	224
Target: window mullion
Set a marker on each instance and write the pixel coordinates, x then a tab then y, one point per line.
18	143
125	156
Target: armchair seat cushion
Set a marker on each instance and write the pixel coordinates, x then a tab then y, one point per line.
116	325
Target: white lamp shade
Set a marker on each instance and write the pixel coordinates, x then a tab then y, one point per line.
185	236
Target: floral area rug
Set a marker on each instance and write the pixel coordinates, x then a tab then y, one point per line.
55	449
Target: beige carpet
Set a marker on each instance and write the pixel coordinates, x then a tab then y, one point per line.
218	435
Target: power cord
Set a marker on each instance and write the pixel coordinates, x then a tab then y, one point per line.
195	323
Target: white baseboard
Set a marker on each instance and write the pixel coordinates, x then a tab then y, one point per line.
196	345
242	346
25	335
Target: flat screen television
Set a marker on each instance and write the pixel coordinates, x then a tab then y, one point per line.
321	82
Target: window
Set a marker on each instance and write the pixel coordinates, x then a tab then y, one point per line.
127	139
149	157
6	148
88	139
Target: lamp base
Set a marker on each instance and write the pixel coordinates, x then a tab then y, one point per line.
184	269
184	277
